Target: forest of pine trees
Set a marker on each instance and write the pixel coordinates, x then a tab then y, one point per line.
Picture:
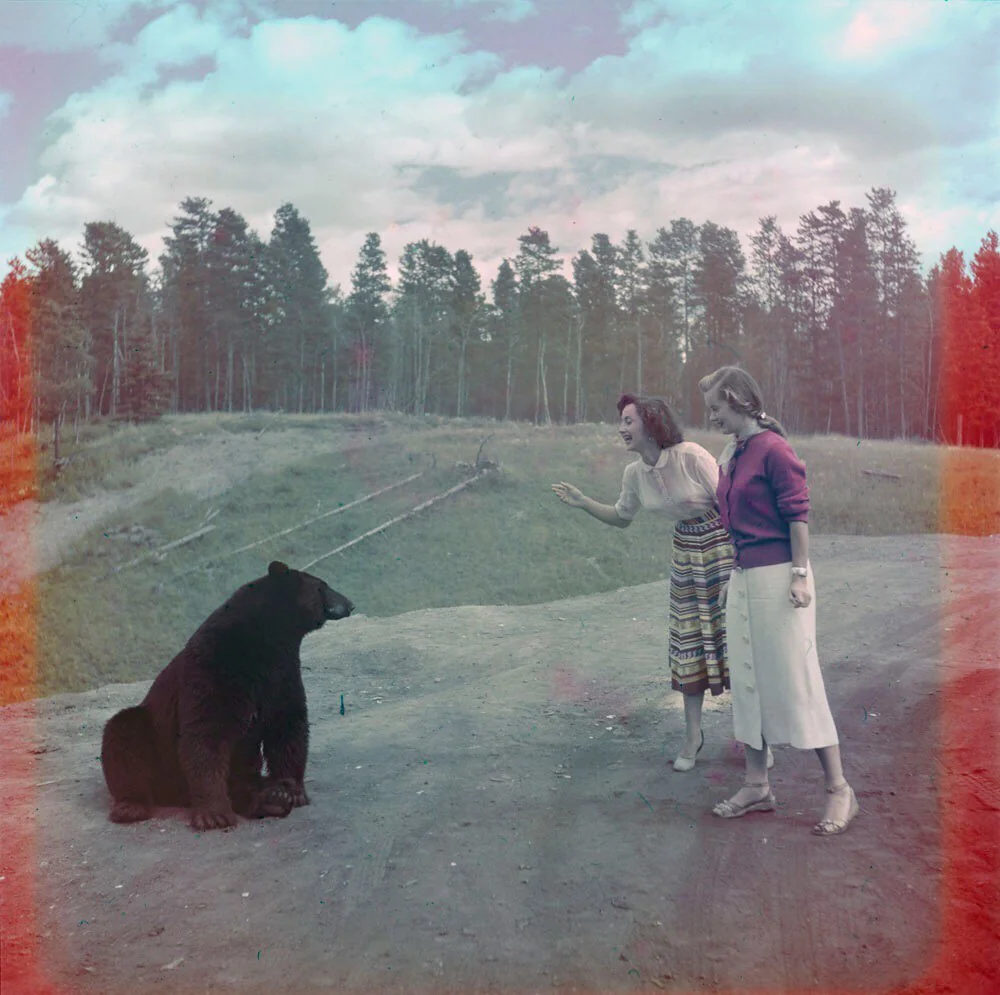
835	320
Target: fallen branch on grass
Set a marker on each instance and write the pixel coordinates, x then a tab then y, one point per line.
326	514
882	473
397	519
482	445
301	525
480	464
204	530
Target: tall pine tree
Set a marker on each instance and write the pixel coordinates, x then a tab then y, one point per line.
368	318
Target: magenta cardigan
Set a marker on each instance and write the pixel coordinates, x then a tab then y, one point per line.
763	489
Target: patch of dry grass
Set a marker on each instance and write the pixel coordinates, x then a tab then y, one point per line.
18	631
18	469
507	540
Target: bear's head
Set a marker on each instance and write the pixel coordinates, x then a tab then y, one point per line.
316	601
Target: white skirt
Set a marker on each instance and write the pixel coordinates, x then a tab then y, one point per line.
776	684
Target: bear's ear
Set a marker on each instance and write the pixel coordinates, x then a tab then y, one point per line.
276	568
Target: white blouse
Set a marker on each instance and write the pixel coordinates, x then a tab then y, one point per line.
681	485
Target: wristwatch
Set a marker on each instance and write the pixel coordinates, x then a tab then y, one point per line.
800	572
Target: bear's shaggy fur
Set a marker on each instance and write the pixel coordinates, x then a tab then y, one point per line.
230	699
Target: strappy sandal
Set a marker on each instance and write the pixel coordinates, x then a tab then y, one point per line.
831	827
732	810
683	763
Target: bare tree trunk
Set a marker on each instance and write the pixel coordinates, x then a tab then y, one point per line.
510	380
302	374
124	354
205	379
545	389
566	365
218	375
175	390
538	366
365	378
104	387
929	384
861	388
418	366
902	380
579	412
247	400
57	432
115	370
541	387
461	375
638	350
333	390
843	382
230	366
886	414
427	375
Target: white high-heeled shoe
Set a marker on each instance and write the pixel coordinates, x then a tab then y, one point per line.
683	763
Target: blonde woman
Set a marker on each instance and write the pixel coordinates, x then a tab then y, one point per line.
770	602
677	480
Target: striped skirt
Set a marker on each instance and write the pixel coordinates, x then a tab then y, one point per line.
702	562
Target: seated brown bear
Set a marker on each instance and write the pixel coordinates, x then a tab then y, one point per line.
230	700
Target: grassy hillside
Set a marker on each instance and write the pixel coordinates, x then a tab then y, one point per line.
503	540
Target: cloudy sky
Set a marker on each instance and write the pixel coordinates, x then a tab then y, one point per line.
466	121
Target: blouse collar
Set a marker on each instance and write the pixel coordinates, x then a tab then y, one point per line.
660	462
735	446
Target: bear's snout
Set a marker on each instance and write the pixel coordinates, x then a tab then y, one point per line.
338	606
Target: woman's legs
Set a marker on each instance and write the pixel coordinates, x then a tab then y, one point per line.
692	723
755	794
833	769
755	784
840	799
693	736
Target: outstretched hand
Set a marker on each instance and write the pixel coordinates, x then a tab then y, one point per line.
569	494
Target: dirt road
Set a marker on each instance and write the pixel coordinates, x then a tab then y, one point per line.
496	812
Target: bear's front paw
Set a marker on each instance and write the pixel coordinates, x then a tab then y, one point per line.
299	796
204	819
275	800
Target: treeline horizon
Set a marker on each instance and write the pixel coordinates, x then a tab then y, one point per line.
835	321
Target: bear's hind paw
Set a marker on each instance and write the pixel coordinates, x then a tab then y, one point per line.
129	811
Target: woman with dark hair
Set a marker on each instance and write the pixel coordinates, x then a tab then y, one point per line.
770	602
676	479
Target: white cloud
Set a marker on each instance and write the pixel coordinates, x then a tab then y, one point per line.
302	110
511	11
879	27
712	113
66	25
177	38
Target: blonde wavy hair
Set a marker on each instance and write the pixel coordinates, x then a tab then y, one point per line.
742	393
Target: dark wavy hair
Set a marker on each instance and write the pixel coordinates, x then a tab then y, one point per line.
657	417
742	393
